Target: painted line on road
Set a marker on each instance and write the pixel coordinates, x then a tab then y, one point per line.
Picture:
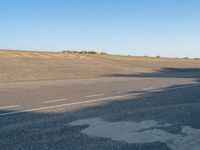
176	88
91	101
95	95
148	88
56	100
125	91
11	106
68	104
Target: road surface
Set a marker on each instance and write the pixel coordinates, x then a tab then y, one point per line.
150	111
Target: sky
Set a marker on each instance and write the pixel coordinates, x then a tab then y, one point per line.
169	28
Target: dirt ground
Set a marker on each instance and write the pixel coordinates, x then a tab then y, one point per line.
31	65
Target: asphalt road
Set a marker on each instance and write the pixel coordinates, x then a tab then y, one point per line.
146	112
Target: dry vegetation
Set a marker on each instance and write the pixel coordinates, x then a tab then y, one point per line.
32	65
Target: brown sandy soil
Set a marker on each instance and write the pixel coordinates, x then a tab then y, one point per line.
24	65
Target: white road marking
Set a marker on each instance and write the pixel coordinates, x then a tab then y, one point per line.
148	88
56	100
159	90
176	88
68	104
91	101
11	106
94	95
195	82
125	91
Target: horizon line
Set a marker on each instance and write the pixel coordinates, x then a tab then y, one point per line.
98	51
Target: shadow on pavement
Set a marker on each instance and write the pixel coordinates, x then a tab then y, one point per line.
167	73
37	130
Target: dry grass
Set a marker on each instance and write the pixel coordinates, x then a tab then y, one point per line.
23	65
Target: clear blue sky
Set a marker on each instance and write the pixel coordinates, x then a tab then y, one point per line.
137	27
